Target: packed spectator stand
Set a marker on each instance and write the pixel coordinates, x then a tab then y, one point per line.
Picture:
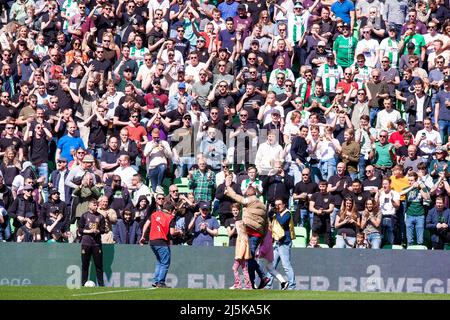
338	109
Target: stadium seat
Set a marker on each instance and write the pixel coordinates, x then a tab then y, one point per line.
223	231
417	247
300	238
221	241
393	246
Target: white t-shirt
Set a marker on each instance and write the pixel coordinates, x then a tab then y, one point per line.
195	71
386	206
126	174
432	136
419	108
369	48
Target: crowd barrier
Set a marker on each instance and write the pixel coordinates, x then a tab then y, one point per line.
358	270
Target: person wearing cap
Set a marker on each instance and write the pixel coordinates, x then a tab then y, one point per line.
54	216
442	110
202	49
344	47
73	178
440	164
389	48
256	42
297	23
180	95
205	227
243	21
24	208
329	74
397	137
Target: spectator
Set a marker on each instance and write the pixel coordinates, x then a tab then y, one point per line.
371	224
321	206
110	216
127	230
347	224
202	181
205	226
230	224
437	223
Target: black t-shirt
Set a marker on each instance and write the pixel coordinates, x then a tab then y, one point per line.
230	222
223	101
310	188
104	65
38	150
359	199
175	115
322	200
338	132
183	46
122	113
65	100
7	111
367	184
97	134
14	141
139	99
248	106
9	172
338	193
89	221
109	156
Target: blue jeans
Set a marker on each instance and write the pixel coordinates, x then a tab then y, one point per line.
156	175
375	240
362	167
296	171
306	218
340	242
333	216
417	223
388	227
97	152
162	254
316	175
373	116
353	175
5	229
283	252
43	172
444	129
184	165
252	264
328	168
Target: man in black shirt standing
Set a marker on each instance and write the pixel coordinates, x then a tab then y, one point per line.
303	191
91	226
337	184
321	205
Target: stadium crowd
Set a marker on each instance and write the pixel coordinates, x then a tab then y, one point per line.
336	112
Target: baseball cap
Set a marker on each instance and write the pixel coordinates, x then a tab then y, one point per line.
411	45
62	159
345	25
204	205
447	78
180	70
201	39
28	187
275	111
401	121
53	191
88	158
392	28
242	7
330	55
182	85
321	44
254	41
127	68
187	115
225	49
298	5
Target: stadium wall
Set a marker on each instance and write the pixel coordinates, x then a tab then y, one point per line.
421	271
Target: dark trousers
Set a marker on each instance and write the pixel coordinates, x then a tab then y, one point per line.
253	265
97	253
417	126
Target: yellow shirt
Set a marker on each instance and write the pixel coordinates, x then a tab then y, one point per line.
398	184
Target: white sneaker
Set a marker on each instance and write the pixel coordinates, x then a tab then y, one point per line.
233	288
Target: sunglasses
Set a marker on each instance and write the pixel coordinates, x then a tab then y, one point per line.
160	198
243	115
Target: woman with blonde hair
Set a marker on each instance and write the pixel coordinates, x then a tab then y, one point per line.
10	166
23	34
347	224
267	27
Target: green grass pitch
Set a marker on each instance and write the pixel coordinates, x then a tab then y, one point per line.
63	293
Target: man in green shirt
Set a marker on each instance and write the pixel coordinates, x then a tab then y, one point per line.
344	47
418	40
382	155
416	193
